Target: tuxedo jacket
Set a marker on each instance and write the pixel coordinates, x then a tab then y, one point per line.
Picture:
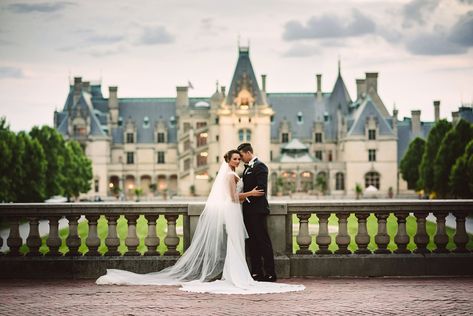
257	175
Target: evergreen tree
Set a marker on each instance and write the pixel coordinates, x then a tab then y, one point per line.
426	172
77	170
461	176
452	146
7	165
410	163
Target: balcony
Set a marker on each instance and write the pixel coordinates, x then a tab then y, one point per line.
323	245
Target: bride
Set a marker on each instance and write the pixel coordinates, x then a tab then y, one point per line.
217	248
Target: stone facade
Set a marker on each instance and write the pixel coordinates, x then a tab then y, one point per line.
315	142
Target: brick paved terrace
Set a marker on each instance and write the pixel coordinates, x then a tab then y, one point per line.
323	296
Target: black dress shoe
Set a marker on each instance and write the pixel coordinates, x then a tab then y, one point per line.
270	278
257	277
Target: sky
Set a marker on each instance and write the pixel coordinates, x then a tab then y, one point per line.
422	49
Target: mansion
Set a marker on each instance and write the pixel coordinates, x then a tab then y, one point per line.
316	142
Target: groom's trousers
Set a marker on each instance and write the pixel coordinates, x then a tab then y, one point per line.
259	244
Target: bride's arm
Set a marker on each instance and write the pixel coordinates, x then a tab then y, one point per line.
233	191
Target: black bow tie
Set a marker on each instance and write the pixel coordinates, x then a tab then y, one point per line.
246	165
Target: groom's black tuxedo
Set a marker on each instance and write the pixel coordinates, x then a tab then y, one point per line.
255	212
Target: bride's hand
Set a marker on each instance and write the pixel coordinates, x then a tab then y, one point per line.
256	192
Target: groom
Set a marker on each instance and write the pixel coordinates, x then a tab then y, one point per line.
255	211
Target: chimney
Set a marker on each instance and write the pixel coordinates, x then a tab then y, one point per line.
360	88
86	86
182	99
415	120
455	117
371	81
77	89
437	110
395	114
113	105
263	82
319	83
222	89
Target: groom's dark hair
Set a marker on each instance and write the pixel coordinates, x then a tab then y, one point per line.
245	147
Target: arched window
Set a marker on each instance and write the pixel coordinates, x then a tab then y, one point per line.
339	181
372	178
244	135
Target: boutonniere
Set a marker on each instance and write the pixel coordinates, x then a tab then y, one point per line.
251	164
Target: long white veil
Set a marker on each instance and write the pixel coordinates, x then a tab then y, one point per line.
204	259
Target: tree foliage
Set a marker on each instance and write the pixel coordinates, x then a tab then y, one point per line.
77	170
461	176
410	163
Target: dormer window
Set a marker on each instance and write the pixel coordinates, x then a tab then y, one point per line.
284	137
146	122
161	137
372	134
299	118
130	138
172	121
318	137
120	121
244	135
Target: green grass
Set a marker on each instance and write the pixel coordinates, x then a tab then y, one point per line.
142	231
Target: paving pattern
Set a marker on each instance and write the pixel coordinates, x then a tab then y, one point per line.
328	296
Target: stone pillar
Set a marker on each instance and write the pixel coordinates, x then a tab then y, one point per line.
461	237
171	240
73	240
112	241
382	237
14	240
92	241
34	240
415	121
131	240
323	238
441	237
402	238
362	238
437	110
54	241
421	238
152	240
342	239
303	237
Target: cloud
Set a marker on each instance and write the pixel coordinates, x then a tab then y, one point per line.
156	35
462	31
42	7
104	39
416	11
330	26
11	72
301	50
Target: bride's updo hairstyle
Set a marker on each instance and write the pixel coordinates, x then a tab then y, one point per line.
229	155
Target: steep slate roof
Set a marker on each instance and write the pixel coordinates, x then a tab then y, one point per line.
367	109
244	67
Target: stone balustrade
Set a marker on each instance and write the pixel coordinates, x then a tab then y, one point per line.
317	254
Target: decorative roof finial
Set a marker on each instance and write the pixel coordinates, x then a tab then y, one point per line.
339	66
216	86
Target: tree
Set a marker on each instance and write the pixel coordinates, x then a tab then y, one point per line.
77	170
31	184
452	146
461	176
54	149
410	163
426	172
7	165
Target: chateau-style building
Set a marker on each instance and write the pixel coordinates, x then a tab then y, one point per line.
312	142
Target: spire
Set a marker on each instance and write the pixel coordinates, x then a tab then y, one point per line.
339	66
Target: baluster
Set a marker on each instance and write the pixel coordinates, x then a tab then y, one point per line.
152	240
112	241
54	241
342	239
92	241
362	238
323	238
34	240
73	240
171	240
131	240
382	237
303	237
14	240
402	238
441	237
460	238
421	238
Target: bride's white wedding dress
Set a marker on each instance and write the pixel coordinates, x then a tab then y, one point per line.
218	247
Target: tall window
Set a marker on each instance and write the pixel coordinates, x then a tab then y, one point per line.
187	144
318	154
284	137
202	139
372	178
201	124
161	157
330	157
318	137
96	185
129	138
161	137
187	164
130	158
244	135
371	154
339	181
202	159
186	126
372	134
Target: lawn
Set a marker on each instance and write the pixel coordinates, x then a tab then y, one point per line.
142	230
